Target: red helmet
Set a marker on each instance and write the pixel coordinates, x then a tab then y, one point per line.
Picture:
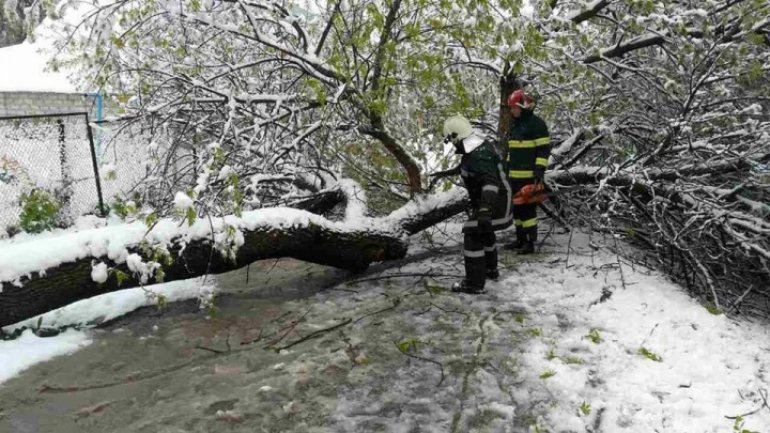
519	98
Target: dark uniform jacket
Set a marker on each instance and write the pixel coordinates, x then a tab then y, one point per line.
483	173
529	146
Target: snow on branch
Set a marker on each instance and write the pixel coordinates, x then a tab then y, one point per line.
639	42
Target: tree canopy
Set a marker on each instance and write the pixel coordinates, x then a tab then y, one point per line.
659	108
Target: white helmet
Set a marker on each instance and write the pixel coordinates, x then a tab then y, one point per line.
457	128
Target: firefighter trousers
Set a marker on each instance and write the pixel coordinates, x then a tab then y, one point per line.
525	218
480	252
524	215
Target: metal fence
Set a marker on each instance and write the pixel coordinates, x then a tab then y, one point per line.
54	153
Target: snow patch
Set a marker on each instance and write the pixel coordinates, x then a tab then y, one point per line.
29	349
182	201
99	273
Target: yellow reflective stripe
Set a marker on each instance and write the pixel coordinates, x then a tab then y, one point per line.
542	161
542	141
529	223
521	144
521	174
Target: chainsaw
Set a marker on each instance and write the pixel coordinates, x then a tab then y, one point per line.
536	193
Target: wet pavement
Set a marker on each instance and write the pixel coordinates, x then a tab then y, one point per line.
297	348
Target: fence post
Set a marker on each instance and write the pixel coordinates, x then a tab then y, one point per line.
65	195
102	210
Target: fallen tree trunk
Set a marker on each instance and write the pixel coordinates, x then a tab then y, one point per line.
72	281
32	289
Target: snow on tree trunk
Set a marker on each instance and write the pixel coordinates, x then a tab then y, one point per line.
73	267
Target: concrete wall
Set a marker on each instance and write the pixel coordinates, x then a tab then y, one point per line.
34	103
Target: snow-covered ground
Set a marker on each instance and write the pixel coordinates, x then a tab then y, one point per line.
571	340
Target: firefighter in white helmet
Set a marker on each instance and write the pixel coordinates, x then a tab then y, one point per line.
483	174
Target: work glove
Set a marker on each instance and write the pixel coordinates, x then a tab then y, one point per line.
485	222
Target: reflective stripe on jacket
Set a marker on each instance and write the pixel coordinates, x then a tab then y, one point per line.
529	146
483	174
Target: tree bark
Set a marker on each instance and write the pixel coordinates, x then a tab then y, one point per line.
71	281
323	244
508	83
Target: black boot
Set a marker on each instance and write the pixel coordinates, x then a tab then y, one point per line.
465	287
475	265
490	256
493	274
527	248
521	239
529	244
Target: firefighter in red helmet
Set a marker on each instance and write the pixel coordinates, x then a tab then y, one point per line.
529	146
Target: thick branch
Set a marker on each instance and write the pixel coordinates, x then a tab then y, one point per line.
591	11
395	149
637	43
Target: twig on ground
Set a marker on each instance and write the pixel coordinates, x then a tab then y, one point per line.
395	301
288	329
45	388
212	350
463	313
421	358
425	275
314	334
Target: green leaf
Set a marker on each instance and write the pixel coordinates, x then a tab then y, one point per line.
151	219
650	355
407	345
318	89
738	426
713	309
547	374
573	360
535	332
212	310
755	71
190	216
160	275
39	211
120	276
118	42
594	336
161	300
585	409
435	290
